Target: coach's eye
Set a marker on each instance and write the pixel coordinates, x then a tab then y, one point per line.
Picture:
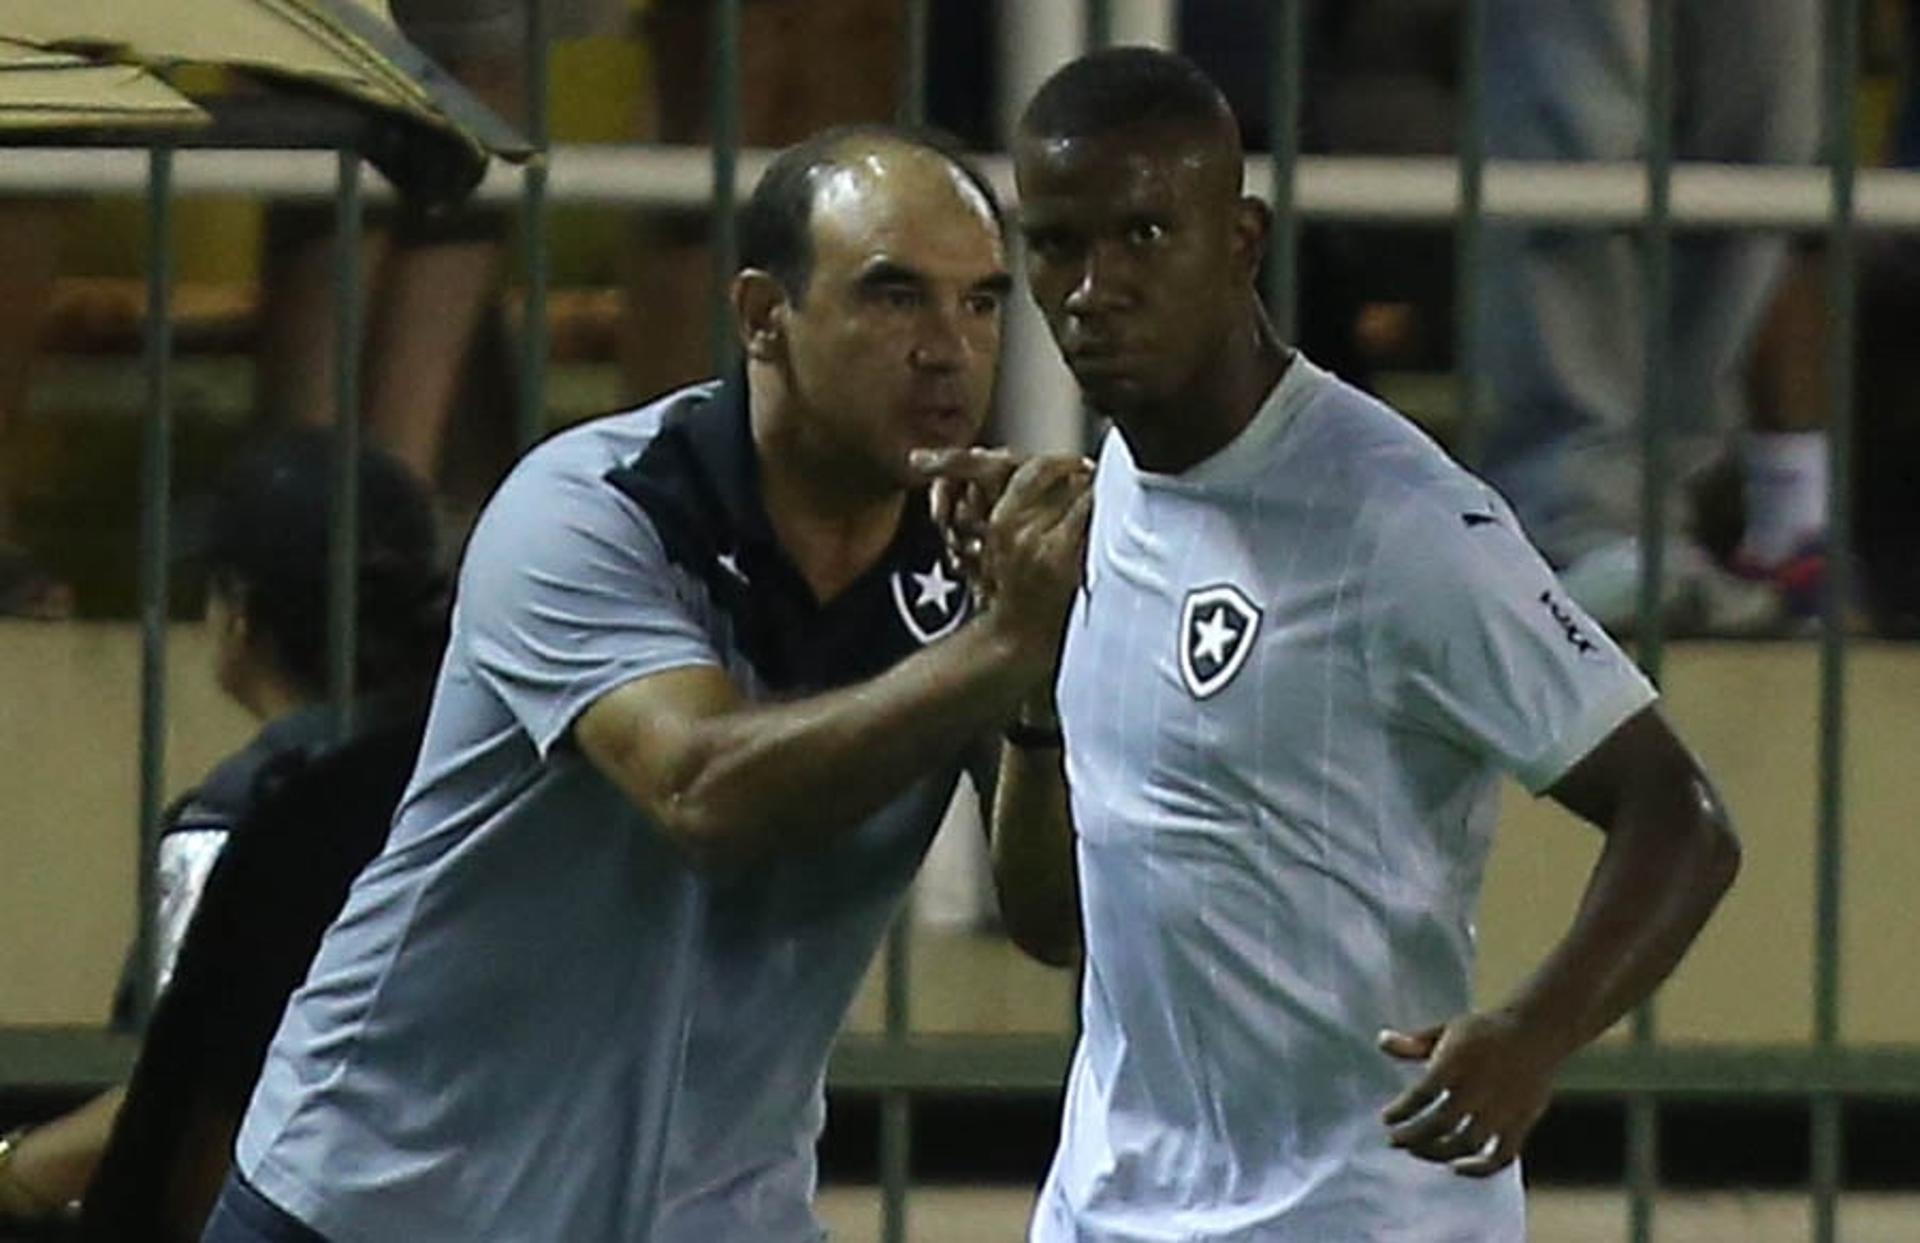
984	302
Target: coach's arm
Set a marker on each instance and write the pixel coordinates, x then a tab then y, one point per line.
1669	856
731	781
1030	828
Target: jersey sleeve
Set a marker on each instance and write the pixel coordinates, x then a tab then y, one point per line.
566	594
1472	638
187	854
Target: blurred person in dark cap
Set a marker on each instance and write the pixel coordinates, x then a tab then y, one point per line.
255	859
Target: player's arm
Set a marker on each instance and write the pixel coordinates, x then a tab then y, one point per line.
1670	854
1031	838
731	781
1669	857
1030	829
1476	643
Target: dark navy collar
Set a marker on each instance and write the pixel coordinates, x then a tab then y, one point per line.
699	483
719	437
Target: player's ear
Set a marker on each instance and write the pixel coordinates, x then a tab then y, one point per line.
1252	226
760	313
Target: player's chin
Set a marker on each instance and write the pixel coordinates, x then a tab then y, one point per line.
1112	393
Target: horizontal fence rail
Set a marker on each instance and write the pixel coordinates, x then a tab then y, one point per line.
1395	190
84	1057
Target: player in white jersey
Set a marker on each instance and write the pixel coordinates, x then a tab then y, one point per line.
1307	646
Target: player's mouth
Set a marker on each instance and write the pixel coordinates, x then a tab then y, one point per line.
1101	357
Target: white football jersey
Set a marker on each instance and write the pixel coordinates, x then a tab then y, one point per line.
1289	688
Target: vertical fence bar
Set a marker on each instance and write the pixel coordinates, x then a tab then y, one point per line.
1643	1117
912	109
1286	32
1470	228
156	502
1099	24
723	55
1842	92
343	515
896	1104
530	414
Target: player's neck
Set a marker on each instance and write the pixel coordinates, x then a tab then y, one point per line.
1176	435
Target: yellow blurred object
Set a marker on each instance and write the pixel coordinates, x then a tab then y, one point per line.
596	86
42	89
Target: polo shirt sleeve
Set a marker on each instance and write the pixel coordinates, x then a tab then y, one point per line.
566	594
1471	638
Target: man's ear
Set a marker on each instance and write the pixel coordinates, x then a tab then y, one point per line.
1252	228
244	635
760	314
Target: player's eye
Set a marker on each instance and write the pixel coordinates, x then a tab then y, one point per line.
1145	232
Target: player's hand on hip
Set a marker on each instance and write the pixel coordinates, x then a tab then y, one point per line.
1488	1080
1032	549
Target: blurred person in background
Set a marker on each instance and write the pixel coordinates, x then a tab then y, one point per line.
29	261
430	277
796	77
1887	451
1566	80
278	829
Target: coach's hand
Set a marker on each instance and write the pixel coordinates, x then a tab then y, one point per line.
964	485
1032	546
1488	1081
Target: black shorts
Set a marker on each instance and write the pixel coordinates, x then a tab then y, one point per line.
243	1215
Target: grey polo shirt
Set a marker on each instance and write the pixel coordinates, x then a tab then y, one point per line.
533	1020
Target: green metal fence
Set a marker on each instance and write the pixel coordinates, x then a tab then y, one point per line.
899	1065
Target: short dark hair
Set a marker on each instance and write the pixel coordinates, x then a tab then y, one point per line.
1122	87
776	225
266	548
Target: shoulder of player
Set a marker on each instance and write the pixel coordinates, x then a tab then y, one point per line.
1433	522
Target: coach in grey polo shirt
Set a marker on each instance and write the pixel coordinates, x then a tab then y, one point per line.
711	683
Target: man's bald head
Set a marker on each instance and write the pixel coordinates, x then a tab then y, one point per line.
776	234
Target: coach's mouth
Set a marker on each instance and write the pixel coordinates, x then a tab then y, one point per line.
941	423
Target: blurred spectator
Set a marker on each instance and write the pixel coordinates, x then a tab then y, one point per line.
255	860
428	279
29	259
1563	323
1887	452
1381	79
796	76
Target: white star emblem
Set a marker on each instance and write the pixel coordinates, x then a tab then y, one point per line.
1215	636
1217	629
934	588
